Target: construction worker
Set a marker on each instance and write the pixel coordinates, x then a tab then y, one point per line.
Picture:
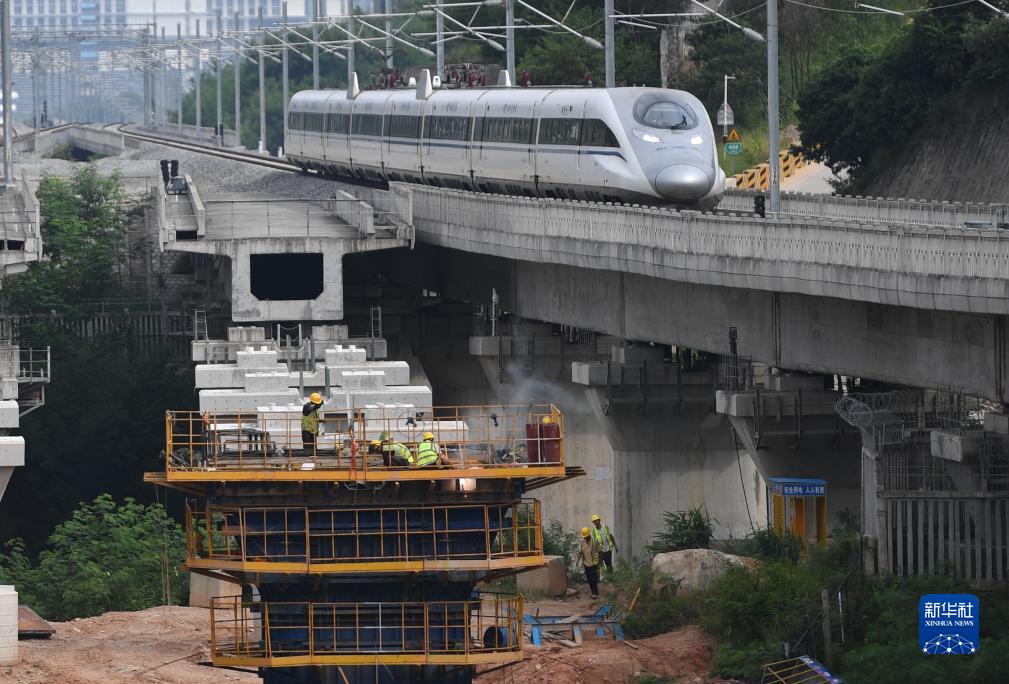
428	452
396	453
588	555
310	421
607	544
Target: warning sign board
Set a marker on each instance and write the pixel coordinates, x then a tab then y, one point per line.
733	136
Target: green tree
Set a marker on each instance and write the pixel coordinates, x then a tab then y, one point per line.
82	231
106	557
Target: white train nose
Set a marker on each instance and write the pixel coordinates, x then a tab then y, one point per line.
682	182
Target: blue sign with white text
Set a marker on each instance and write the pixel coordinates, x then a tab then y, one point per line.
948	624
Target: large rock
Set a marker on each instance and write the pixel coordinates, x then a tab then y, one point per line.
550	580
696	569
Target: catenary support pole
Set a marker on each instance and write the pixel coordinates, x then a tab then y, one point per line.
198	67
439	29
219	130
610	47
389	61
509	39
315	44
5	38
262	82
772	107
284	65
238	90
178	46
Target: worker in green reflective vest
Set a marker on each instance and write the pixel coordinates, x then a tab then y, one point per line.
428	452
310	421
395	453
607	544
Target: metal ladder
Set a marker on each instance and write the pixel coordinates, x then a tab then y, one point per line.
200	331
376	322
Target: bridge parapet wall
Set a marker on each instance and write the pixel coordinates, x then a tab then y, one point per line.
951	269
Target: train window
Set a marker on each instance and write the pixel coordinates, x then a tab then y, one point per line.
477	128
447	127
337	123
654	110
403	126
595	133
312	121
366	124
507	129
294	121
560	131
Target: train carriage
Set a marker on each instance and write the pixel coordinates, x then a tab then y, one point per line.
600	144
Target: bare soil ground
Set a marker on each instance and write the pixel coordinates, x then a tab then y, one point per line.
156	645
684	654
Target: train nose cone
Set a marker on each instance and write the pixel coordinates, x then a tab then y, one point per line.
682	182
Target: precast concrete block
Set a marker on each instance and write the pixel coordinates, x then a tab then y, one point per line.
358	380
417	395
199	351
10	414
484	346
12	450
246	333
342	355
389	411
446	432
203	588
549	580
588	373
636	355
241	401
256	357
956	447
396	372
266	382
997	423
226	375
330	333
8	388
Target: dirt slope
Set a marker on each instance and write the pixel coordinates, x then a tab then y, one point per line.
156	645
964	157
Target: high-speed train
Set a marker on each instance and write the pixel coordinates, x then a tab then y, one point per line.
599	144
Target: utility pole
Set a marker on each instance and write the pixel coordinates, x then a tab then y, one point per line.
283	59
509	39
198	66
772	106
5	38
262	81
725	105
315	44
238	89
351	45
219	130
178	45
439	28
610	47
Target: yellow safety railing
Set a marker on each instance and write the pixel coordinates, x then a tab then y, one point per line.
407	538
367	444
276	634
758	178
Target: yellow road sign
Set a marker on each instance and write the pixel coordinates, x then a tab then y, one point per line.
733	136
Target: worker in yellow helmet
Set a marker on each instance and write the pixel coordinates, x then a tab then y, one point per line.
429	453
607	544
588	556
395	453
310	422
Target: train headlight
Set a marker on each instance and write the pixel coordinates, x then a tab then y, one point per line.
647	137
696	140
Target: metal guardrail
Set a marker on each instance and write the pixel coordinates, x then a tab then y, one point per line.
257	633
476	441
34	365
365	539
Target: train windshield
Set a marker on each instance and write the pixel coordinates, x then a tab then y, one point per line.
657	113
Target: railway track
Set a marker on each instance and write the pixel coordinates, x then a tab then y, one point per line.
246	157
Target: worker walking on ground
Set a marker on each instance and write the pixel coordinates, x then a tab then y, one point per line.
588	555
310	421
607	544
396	453
428	452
